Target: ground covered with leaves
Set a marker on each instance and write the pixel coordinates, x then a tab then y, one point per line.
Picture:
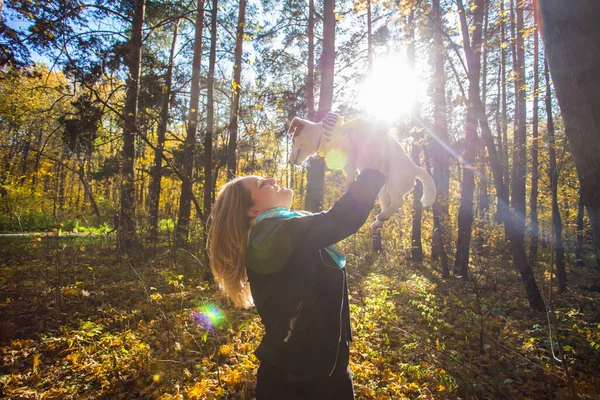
78	321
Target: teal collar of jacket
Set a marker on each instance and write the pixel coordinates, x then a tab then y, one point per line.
284	212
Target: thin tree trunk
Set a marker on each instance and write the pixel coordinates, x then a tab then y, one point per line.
520	153
237	82
416	243
185	199
417	246
88	189
504	115
316	169
210	115
370	37
156	174
38	157
579	243
310	78
483	200
377	241
533	198
61	187
441	170
25	158
126	219
553	171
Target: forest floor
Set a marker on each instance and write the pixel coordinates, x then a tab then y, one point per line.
77	321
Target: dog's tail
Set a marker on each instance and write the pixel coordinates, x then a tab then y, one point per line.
429	191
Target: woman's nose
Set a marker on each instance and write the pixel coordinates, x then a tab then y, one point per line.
272	181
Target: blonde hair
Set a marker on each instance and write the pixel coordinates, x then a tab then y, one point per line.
227	240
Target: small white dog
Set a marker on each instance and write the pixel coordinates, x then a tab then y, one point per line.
343	146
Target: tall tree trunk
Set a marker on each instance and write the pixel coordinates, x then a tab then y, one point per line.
377	241
416	243
520	154
483	200
553	171
316	169
185	199
237	82
533	198
310	78
210	114
370	37
571	31
156	174
441	169
472	48
126	220
504	115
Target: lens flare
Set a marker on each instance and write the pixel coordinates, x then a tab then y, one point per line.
208	318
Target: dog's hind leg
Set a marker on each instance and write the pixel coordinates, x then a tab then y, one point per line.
389	204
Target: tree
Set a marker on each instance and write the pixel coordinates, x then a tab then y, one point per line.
441	169
236	88
513	229
185	199
44	26
126	221
570	31
416	243
533	198
210	114
519	171
553	171
472	49
156	173
310	76
316	170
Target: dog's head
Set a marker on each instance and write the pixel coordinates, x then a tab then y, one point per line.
306	136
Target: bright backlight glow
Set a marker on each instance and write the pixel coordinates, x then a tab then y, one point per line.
391	90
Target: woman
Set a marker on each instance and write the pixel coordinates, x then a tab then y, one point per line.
282	262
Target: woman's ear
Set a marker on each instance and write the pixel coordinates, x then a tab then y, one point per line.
253	212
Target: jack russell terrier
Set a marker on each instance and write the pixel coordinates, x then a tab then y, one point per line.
343	146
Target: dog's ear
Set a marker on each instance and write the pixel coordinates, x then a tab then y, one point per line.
296	127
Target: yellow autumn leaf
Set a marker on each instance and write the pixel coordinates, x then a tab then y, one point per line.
198	390
36	363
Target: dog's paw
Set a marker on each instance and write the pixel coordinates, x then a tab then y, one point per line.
376	225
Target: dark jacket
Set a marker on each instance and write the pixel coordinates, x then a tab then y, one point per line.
300	293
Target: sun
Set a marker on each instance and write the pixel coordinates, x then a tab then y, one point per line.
391	90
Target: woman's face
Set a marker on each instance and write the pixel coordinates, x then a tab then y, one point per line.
266	194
